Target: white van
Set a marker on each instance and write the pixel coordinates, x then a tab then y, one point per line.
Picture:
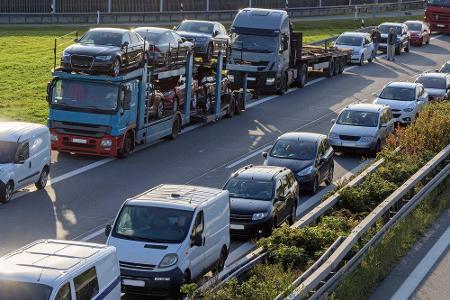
24	157
170	235
60	270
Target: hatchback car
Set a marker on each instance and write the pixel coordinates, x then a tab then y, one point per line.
262	198
360	43
445	68
437	85
406	100
105	50
308	155
166	47
209	38
363	127
419	32
24	157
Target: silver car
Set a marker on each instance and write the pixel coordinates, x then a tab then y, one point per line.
361	127
437	85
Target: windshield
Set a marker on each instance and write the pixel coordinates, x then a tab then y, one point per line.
149	36
358	118
398	93
414	26
250	189
384	29
433	83
16	290
7	152
349	40
445	68
440	3
199	27
104	38
294	150
85	95
153	224
255	43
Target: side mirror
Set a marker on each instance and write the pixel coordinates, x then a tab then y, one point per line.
49	91
264	154
174	27
20	160
108	229
216	33
383	125
76	40
375	94
333	121
196	240
125	45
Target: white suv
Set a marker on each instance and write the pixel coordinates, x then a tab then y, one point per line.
24	157
406	100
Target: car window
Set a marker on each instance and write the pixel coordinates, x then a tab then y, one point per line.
199	224
126	38
280	188
222	29
23	152
64	293
135	38
291	179
86	284
322	149
177	37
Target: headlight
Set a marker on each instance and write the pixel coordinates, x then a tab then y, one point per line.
103	58
305	171
168	260
270	81
259	216
106	143
65	56
366	139
53	137
409	109
333	136
231	78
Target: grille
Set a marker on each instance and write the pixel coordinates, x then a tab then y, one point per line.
238	217
135	266
396	115
82	61
440	17
349	138
91	130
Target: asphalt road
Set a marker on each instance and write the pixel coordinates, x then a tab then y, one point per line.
85	192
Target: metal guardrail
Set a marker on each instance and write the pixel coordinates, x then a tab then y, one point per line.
257	255
330	273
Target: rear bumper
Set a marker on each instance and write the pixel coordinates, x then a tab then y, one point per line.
415	40
251	229
84	144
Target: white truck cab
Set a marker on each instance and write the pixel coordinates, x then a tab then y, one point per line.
170	235
60	270
24	157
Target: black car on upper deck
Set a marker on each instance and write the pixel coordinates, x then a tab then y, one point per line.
106	51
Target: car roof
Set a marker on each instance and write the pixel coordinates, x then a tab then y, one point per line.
13	131
391	24
45	261
261	173
118	30
367	107
186	197
201	21
302	136
434	75
414	21
354	33
411	85
152	29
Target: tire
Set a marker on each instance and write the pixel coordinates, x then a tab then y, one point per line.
42	181
377	148
342	65
407	48
176	128
239	103
330	176
231	108
127	146
160	110
208	56
361	60
175	106
116	67
336	66
330	70
370	59
302	76
283	85
194	101
222	259
6	192
315	186
293	215
208	102
186	280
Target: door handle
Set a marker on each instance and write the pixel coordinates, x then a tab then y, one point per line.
29	164
204	240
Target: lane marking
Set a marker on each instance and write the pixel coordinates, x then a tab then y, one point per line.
80	170
247	157
418	274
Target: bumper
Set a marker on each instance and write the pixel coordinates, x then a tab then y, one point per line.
96	67
343	146
169	282
415	40
85	145
355	58
250	229
403	117
255	81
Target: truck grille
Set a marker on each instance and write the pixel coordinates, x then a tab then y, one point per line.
81	61
349	138
135	266
440	17
80	128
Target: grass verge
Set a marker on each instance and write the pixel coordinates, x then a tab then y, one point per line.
27	58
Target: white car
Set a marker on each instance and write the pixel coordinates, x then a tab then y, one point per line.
362	127
24	157
445	68
361	44
406	100
437	85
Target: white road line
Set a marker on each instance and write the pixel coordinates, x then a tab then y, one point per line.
93	235
259	151
418	274
80	170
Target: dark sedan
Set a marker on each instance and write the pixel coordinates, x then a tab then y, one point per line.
209	38
106	51
308	155
166	47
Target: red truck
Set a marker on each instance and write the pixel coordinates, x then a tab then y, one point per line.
437	14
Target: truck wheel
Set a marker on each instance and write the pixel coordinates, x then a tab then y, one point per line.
330	70
6	192
176	128
302	76
231	108
342	65
42	182
239	103
127	146
336	65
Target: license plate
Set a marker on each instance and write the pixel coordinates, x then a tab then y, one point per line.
79	141
251	78
131	282
348	144
237	226
440	26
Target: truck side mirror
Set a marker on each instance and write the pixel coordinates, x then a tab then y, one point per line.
49	91
20	160
108	229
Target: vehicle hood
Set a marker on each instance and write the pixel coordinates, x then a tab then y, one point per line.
436	92
395	104
353	130
80	117
141	252
193	35
249	206
292	164
93	50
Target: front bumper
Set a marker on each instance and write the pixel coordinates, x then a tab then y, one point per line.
173	280
85	145
96	67
355	58
343	146
403	117
255	81
249	229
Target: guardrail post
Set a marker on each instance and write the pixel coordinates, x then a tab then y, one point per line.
109	6
207	5
98	17
250	3
320	3
161	6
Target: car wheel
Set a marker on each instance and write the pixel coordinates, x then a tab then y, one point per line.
160	110
175	105
293	215
329	179
6	192
127	146
208	102
176	128
194	100
221	262
116	67
342	65
361	60
407	48
315	186
42	182
208	54
377	148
